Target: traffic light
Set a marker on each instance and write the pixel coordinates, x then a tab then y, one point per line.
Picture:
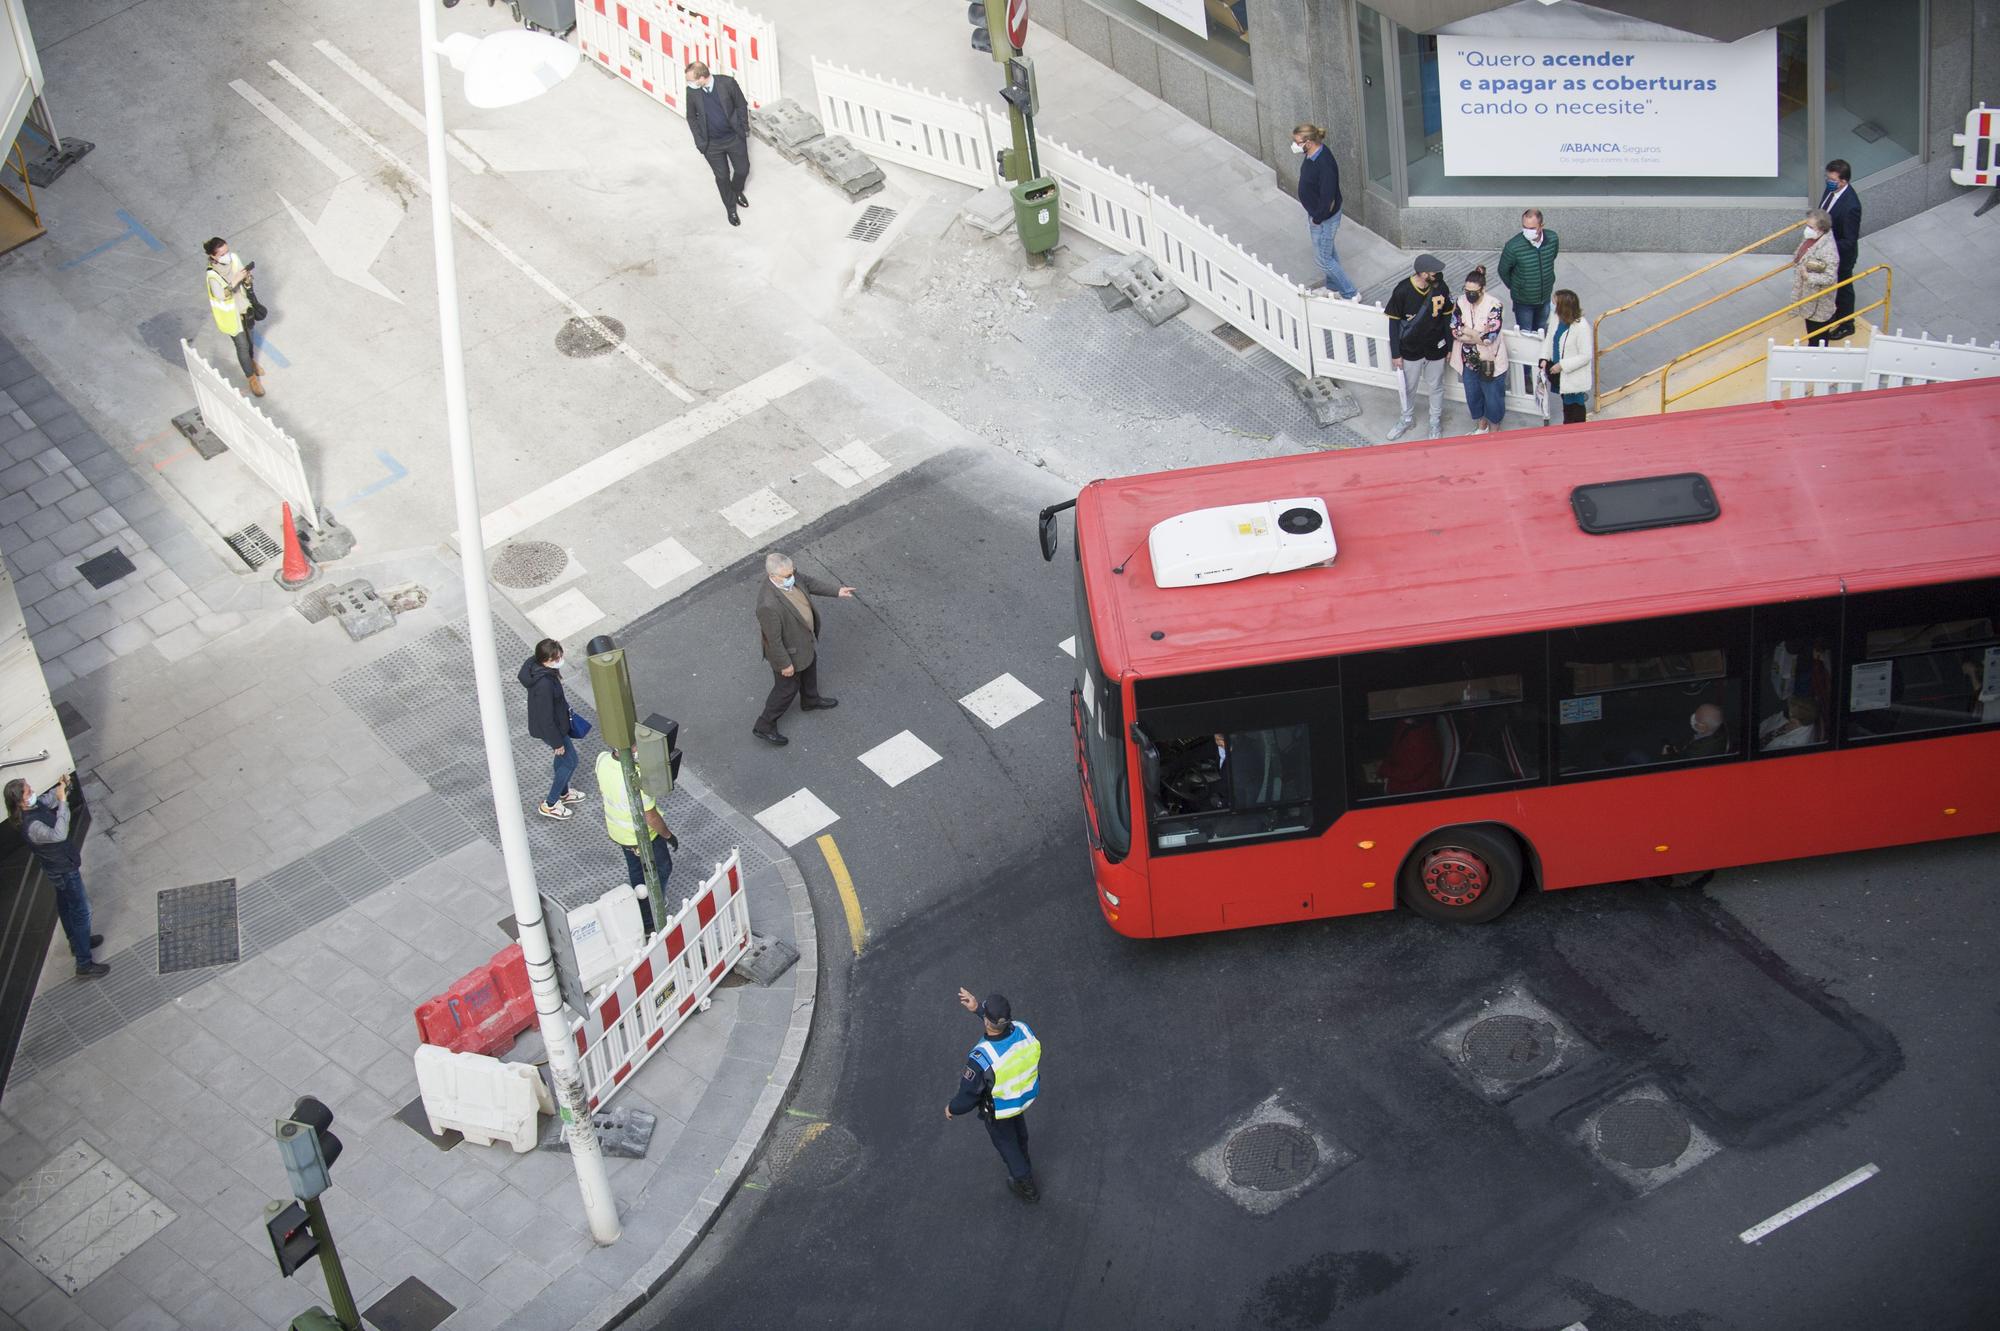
292	1238
308	1147
982	33
611	689
659	760
1020	92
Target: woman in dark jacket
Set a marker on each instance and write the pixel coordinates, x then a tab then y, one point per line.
548	721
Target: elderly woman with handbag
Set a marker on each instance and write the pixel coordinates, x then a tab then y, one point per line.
1815	268
1479	353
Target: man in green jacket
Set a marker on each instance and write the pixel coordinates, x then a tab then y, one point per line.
1528	268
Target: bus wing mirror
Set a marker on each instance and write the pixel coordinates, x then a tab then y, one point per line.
1149	758
1047	529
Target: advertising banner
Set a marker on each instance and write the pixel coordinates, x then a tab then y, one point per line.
1516	106
1190	14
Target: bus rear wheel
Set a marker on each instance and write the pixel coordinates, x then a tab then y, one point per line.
1462	875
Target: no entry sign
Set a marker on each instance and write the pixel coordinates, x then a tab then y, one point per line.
1017	23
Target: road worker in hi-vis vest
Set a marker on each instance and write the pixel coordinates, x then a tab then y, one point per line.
1000	1081
231	302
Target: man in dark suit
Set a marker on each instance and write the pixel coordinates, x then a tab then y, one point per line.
788	626
1843	205
719	119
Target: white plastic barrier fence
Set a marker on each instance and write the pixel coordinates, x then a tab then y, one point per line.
1106	205
482	1098
1890	360
1524	354
1350	341
652	997
1227	280
606	934
1980	164
251	435
900	123
649	43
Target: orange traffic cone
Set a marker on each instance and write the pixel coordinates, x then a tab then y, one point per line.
297	570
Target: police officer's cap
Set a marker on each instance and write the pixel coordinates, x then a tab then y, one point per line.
996	1010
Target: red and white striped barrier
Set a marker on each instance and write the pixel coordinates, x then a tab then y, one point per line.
676	973
649	44
1980	164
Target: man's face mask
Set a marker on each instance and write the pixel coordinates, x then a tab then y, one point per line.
788	580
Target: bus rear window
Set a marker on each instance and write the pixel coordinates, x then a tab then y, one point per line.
1929	660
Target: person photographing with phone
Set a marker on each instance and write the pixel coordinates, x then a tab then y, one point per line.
232	299
44	823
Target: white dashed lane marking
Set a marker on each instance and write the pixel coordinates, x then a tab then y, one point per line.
1068	646
1765	1228
1001	701
797	816
660	565
758	512
848	467
898	759
565	614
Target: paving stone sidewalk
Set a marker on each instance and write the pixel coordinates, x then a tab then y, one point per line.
339	788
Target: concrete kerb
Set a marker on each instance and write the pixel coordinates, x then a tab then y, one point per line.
688	1230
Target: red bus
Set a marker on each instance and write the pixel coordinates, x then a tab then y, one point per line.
1777	635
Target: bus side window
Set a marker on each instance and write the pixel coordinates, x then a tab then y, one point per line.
1650	692
1922	660
1795	677
1455	716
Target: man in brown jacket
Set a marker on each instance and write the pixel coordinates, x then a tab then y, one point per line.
788	625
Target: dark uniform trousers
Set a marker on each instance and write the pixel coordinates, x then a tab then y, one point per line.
1010	1138
731	164
784	688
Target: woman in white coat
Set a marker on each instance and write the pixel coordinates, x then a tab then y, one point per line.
1566	356
1815	268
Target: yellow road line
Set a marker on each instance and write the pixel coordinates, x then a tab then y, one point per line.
857	932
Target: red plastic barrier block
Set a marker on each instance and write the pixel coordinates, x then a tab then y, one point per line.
483	1011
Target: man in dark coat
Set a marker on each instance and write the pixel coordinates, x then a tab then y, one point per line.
1842	203
788	626
548	721
719	118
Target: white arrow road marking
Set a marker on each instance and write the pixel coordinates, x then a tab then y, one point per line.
297	132
472	224
409	114
352	229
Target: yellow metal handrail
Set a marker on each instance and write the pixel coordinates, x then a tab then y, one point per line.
1888	294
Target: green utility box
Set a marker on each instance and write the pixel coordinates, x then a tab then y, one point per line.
1037	215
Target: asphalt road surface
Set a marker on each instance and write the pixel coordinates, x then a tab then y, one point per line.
1567	1117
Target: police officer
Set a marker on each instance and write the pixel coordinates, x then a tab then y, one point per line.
1000	1082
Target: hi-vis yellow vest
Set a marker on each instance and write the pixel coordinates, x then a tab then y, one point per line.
1015	1060
222	303
618	822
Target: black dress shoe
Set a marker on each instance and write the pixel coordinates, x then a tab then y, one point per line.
91	970
743	201
97	940
734	220
769	736
819	704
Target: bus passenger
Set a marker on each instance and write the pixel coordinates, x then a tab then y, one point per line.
1709	740
1794	728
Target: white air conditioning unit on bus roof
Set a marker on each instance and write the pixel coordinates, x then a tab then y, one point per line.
1240	541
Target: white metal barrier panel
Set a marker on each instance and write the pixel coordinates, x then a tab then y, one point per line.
254	437
1106	205
1981	163
652	997
900	123
1225	279
1350	341
1890	360
649	44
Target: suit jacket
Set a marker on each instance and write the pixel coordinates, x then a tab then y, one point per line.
1846	215
787	640
709	135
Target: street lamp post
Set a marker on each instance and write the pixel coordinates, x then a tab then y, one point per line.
500	70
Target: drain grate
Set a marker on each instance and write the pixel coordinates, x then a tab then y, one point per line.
100	571
1233	337
198	926
253	545
874	221
1643	1134
1270	1157
580	339
1510	1047
524	564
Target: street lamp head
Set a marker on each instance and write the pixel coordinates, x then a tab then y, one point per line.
508	67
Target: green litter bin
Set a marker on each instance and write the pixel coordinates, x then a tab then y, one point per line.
1037	215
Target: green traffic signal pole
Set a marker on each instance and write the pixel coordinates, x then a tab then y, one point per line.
1019	161
329	1265
628	763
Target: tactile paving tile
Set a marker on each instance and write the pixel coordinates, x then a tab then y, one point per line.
198	926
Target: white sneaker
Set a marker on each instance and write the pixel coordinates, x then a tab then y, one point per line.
557	811
574	796
1437	429
1400	428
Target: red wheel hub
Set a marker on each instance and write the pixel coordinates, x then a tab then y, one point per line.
1454	876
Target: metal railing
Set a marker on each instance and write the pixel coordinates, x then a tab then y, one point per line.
1666	371
1598	350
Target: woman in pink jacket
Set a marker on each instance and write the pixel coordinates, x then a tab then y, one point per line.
1478	352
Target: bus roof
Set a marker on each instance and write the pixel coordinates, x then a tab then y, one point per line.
1474	537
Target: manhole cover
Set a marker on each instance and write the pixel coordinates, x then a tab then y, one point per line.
812	1152
100	571
1644	1134
1509	1048
1270	1157
525	564
410	1306
253	545
581	339
198	926
874	221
